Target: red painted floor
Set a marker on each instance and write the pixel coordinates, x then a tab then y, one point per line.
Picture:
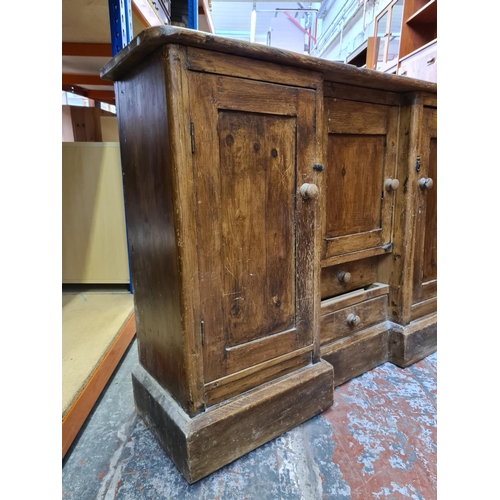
378	442
384	424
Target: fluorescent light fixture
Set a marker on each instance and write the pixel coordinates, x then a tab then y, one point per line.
253	21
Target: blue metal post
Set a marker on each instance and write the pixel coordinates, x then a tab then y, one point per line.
193	14
120	18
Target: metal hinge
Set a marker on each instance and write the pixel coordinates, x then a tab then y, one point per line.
191	129
202	332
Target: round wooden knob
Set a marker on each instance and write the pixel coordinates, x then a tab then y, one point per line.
391	184
344	277
309	191
353	320
425	183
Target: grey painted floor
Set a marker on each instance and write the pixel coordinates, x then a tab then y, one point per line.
378	441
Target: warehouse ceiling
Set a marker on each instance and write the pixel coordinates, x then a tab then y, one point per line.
86	42
86	38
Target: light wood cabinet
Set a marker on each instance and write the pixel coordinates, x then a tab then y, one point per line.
269	227
361	157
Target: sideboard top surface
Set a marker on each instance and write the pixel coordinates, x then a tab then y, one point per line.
152	38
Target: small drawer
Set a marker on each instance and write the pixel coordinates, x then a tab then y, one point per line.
343	278
421	64
352	319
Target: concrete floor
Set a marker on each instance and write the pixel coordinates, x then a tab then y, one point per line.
377	442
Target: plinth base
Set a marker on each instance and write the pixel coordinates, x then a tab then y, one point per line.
200	445
411	343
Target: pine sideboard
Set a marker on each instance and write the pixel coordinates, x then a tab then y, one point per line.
281	215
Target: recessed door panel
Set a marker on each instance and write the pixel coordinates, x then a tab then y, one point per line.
257	162
355	175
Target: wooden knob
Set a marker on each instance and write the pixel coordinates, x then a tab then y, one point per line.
425	183
353	320
344	277
391	184
309	191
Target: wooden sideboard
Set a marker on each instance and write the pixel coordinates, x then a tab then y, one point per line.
281	215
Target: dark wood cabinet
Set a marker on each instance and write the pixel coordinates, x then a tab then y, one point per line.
271	229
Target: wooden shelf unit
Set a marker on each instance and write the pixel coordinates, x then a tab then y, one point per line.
419	25
425	15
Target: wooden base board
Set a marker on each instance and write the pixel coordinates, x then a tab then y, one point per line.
411	343
90	393
200	445
387	341
358	353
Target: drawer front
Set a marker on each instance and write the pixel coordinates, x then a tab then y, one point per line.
353	319
422	65
348	276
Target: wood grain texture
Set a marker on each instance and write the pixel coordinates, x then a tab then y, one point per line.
401	274
363	273
351	117
94	242
207	61
425	253
179	126
429	289
244	380
257	156
248	169
82	407
354	205
86	124
357	255
203	444
148	179
354	297
362	154
423	308
411	343
358	353
149	40
335	326
321	138
361	94
254	97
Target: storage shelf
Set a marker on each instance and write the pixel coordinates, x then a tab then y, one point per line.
427	14
407	56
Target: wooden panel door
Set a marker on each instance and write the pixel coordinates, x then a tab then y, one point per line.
425	256
255	232
361	157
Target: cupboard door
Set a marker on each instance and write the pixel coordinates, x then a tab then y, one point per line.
425	256
255	232
361	157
